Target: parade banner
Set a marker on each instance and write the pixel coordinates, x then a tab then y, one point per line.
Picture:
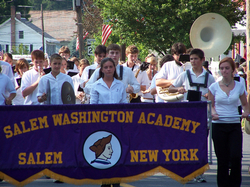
97	144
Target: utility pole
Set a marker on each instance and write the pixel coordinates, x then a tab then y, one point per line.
79	26
42	27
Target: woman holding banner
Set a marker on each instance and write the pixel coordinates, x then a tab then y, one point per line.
226	131
108	89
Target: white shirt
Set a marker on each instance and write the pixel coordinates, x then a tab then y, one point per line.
5	85
102	94
142	77
182	80
85	73
227	105
171	70
55	86
18	100
30	77
242	81
7	70
128	78
153	85
76	81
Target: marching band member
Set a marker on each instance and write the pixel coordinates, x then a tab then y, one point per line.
197	74
197	78
64	66
226	132
65	52
153	91
6	86
100	53
151	71
77	78
31	78
107	89
124	73
7	70
170	71
21	67
56	80
141	76
7	57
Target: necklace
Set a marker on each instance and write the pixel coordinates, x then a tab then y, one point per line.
227	84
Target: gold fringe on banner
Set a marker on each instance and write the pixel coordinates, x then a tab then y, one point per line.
68	180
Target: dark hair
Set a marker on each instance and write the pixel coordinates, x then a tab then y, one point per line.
205	64
101	75
37	54
197	52
242	60
189	50
100	49
55	56
113	47
229	60
178	48
166	58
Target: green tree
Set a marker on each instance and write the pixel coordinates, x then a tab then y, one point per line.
5	8
158	24
23	49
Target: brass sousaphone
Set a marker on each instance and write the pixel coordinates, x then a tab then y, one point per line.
210	32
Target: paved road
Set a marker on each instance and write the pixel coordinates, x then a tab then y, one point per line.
160	180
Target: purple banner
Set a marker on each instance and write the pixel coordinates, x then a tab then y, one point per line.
103	143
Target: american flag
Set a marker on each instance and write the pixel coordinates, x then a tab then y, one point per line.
77	39
106	31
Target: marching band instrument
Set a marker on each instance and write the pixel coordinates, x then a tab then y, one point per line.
143	67
166	96
68	94
212	33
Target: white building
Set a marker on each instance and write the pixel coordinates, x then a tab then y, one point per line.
16	31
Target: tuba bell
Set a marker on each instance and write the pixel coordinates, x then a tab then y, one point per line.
212	33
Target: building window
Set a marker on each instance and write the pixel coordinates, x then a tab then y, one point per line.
20	34
7	48
31	48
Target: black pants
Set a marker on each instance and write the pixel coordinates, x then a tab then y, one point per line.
227	140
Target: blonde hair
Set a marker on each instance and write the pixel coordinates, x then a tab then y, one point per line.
152	60
132	49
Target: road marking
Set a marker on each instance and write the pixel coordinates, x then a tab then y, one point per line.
126	185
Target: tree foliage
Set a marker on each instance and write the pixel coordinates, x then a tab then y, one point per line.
5	8
159	24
